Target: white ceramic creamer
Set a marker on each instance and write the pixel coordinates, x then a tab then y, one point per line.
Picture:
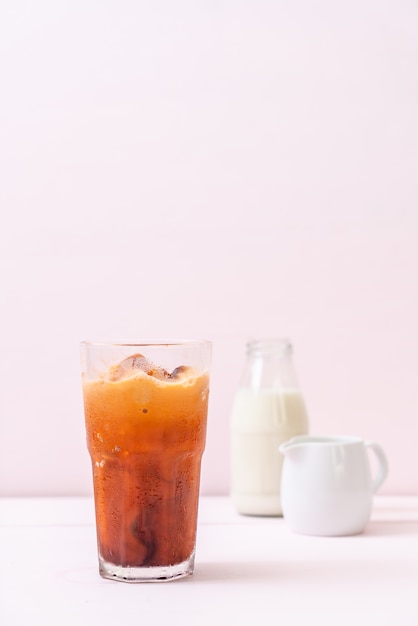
268	409
327	485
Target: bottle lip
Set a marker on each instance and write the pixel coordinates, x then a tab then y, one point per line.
274	345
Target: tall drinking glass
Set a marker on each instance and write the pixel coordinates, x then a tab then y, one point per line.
145	410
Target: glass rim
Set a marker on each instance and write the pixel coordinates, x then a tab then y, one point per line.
157	343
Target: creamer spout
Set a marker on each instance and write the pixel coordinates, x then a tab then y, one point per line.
295	442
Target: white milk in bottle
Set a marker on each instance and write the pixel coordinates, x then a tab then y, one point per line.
268	409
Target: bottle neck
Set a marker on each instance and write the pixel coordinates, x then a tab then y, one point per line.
269	365
272	348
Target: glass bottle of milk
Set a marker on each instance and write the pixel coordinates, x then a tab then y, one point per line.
268	409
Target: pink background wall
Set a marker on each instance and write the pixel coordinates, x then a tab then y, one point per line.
219	169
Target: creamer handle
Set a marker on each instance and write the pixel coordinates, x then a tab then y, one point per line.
383	466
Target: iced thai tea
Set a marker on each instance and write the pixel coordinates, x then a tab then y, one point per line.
146	429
